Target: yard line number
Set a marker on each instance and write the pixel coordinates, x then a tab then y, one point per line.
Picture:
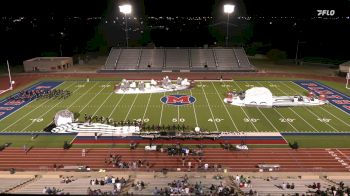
140	120
251	120
180	120
215	120
287	120
36	119
324	120
80	86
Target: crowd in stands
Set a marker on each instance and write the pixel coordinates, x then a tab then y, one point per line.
117	183
183	187
52	191
340	190
116	162
67	179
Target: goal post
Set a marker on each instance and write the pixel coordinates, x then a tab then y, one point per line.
347	79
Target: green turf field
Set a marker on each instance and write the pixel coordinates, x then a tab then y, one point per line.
208	112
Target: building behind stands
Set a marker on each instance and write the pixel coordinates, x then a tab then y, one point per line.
177	59
43	64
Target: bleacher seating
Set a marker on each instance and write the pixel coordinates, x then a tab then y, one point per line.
202	57
8	183
153	57
128	59
242	58
226	59
177	59
78	187
113	56
193	59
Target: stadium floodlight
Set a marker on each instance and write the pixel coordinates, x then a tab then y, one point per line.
229	9
126	9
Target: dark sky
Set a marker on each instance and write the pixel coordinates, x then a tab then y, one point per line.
173	7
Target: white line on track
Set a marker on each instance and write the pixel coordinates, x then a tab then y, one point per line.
234	124
59	103
31	110
126	117
217	129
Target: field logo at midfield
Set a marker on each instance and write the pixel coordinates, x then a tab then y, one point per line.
178	99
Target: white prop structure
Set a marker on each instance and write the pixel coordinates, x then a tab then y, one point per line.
152	86
96	128
262	97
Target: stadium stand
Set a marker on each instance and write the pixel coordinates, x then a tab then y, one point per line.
177	59
111	62
242	58
128	59
202	59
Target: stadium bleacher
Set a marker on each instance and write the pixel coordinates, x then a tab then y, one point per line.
177	59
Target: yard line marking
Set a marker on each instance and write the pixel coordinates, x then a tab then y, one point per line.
178	114
194	110
115	107
328	111
102	103
161	112
296	112
91	99
234	124
242	107
144	114
27	104
279	112
217	129
131	107
266	117
59	103
31	110
306	107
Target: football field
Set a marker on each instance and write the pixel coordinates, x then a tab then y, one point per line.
208	112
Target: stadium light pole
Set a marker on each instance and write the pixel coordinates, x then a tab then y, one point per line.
126	9
228	8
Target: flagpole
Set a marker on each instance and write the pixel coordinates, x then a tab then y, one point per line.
347	78
8	68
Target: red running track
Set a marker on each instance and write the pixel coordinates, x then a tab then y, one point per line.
302	160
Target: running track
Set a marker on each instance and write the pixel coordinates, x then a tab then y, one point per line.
302	160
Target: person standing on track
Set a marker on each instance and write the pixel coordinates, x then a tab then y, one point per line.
83	151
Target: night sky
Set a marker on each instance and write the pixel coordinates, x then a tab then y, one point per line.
172	7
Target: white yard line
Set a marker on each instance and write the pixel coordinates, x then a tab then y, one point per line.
194	111
307	108
210	108
103	103
91	99
328	111
242	107
144	114
132	105
178	114
57	104
27	104
280	113
161	113
234	124
31	110
116	106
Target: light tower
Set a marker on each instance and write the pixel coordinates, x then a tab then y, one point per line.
228	8
126	9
